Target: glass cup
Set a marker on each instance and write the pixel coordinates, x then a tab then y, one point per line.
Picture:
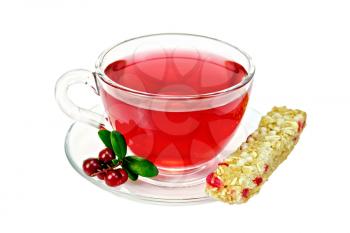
179	131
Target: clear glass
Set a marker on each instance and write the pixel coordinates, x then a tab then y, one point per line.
143	105
173	41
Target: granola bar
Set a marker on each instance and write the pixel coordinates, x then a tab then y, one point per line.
243	173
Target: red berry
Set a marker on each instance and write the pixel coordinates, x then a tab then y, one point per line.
91	166
301	126
101	175
106	155
295	139
214	181
116	177
101	127
258	180
223	164
245	193
266	168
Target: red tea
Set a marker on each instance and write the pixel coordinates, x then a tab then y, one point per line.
170	137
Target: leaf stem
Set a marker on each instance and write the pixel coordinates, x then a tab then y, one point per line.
109	168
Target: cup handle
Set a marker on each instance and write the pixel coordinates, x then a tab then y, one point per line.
75	112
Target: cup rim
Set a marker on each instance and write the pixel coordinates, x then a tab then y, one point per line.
100	73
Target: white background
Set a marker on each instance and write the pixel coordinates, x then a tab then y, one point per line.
301	50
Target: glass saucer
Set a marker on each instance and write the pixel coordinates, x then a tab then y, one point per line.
82	142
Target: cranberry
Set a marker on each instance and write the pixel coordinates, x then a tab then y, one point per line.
245	193
91	166
258	180
266	168
101	127
214	181
101	175
295	140
116	177
106	155
301	126
223	164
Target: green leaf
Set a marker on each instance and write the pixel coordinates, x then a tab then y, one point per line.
118	144
105	137
133	176
141	166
